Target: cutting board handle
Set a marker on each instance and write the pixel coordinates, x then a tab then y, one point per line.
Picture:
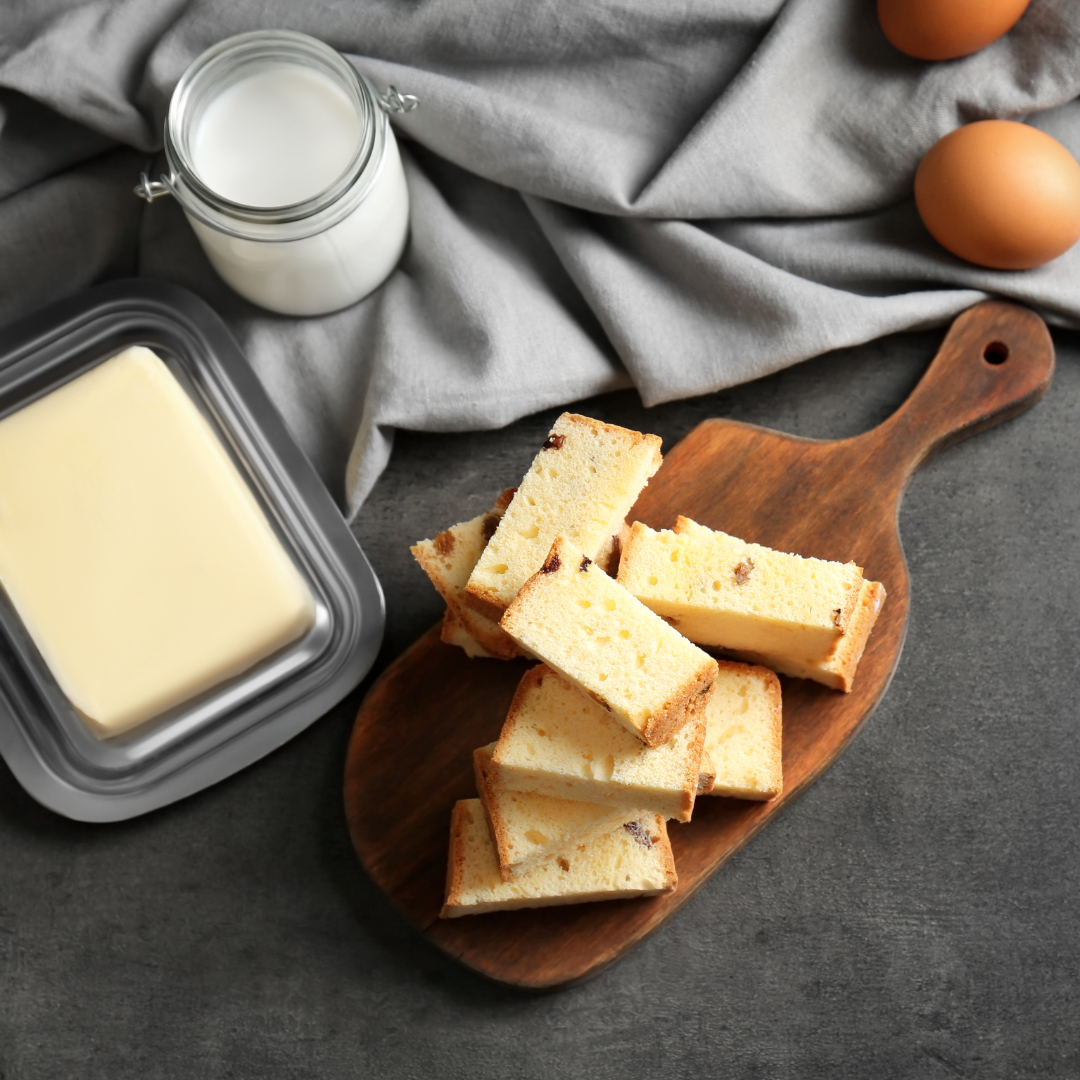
996	361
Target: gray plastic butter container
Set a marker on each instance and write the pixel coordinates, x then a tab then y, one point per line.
46	745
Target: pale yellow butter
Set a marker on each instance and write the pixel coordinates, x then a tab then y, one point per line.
137	558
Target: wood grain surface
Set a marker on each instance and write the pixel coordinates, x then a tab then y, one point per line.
409	757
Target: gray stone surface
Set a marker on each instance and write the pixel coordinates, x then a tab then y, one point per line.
914	914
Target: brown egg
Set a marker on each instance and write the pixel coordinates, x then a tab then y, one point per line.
946	29
1000	194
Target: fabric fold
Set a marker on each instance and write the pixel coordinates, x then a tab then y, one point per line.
604	195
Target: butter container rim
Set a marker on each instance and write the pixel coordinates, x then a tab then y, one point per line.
48	749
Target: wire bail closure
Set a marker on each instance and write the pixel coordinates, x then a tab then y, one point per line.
152	189
394	101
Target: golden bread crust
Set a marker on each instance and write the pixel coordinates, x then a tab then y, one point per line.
845	658
678	709
706	774
483	768
484	601
455	864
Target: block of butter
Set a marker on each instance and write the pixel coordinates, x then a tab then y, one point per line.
136	556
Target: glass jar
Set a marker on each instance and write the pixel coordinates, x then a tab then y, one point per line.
284	162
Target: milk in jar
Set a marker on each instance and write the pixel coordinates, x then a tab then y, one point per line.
284	161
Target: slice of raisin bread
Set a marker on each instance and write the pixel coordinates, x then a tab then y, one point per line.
526	828
581	485
743	736
802	616
559	742
448	560
576	619
630	860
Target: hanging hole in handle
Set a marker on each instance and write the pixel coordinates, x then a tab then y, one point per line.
997	352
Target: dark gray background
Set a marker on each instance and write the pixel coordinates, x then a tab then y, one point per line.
913	915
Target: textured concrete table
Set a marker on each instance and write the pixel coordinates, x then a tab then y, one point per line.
915	914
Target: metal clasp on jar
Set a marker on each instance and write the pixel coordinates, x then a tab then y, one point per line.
394	101
153	189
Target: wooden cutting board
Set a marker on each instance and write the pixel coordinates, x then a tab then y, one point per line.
410	756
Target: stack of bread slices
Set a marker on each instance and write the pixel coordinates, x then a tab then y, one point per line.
627	719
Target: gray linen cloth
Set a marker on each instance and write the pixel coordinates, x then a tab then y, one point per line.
677	197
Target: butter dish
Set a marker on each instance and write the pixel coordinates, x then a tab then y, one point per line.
68	762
